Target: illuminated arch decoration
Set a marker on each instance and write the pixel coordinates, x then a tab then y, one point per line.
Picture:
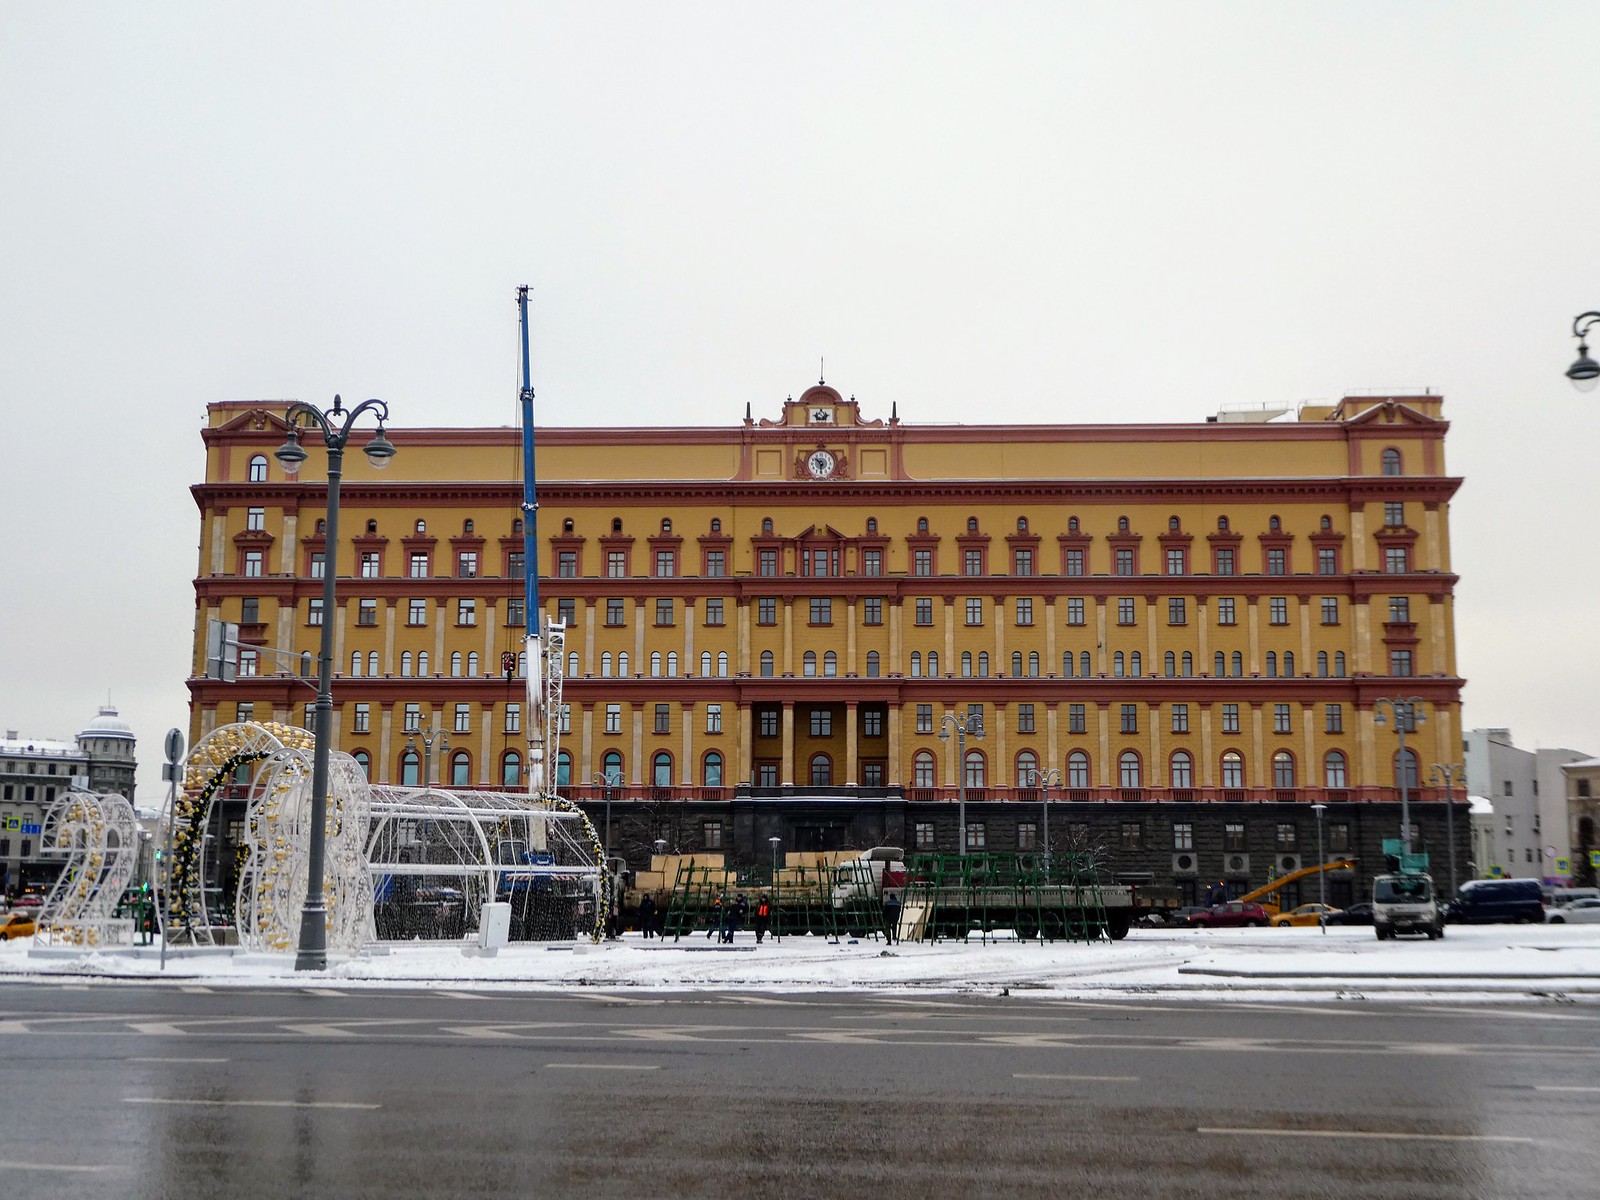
274	854
100	837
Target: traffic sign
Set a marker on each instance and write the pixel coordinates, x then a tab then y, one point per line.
1563	866
1594	858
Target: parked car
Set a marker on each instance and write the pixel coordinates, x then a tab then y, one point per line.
1483	901
1167	918
31	900
17	925
1356	914
1306	914
1579	912
1230	915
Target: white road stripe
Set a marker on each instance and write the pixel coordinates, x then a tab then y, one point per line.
1377	1135
1080	1078
197	990
1560	1087
322	991
179	1060
600	1067
9	1165
247	1103
459	995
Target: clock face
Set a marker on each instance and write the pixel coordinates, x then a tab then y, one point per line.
820	464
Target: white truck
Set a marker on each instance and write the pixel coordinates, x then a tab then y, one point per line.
865	882
1405	903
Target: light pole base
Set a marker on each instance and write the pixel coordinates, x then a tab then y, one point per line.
313	953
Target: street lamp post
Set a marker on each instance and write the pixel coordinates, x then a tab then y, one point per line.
774	842
963	724
428	737
1322	876
1406	713
1448	773
605	794
335	425
1043	780
1584	373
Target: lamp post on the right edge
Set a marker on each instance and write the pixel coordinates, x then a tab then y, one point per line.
1585	372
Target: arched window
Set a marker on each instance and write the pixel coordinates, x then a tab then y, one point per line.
460	769
1391	461
830	664
766	664
1232	769
258	469
364	761
1326	523
616	524
1288	664
705	662
372	525
809	664
405	663
1119	664
1022	524
1136	664
766	524
661	769
511	769
622	663
1219	664
1027	769
922	770
711	770
1128	773
422	662
922	524
1122	524
975	772
872	524
422	526
355	662
966	664
1272	664
666	524
516	524
916	664
1222	524
1182	769
1033	664
1169	663
722	664
1072	524
472	664
872	664
1188	665
1238	664
716	524
933	662
655	664
1274	525
672	664
983	664
455	664
1085	664
410	768
1338	663
467	525
1322	664
1016	663
1283	769
566	525
1333	772
972	524
372	662
563	767
1405	770
605	664
1066	664
522	664
1077	769
821	771
572	664
611	767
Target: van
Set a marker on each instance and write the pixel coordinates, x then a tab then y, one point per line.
1484	901
1405	904
1558	897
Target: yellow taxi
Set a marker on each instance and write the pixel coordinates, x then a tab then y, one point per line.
1306	914
17	925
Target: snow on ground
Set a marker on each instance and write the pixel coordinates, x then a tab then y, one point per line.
1503	961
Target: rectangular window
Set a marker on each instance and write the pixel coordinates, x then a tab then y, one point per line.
872	723
1277	610
1230	718
1333	718
974	610
253	562
872	611
923	835
1225	561
1276	562
314	611
366	612
1075	610
1339	837
1396	560
1025	610
467	564
1176	564
516	564
977	836
666	564
767	774
1073	562
1327	561
419	564
1394	514
466	612
924	718
1400	610
1287	837
872	562
463	721
767	723
1077	722
872	774
922	562
767	563
972	562
1280	719
821	722
413	719
255	518
369	564
713	718
1400	662
318	565
924	610
664	610
566	564
1180	718
663	721
1022	562
1123	562
1225	611
614	611
517	612
616	564
249	662
1125	610
767	610
714	611
513	718
1025	718
416	611
1132	835
567	610
613	718
1330	610
821	610
711	831
1027	835
1177	610
1183	835
1130	718
362	722
716	563
1233	835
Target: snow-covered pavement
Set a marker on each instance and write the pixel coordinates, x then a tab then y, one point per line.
1501	961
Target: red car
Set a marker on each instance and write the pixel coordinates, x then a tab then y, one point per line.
1226	916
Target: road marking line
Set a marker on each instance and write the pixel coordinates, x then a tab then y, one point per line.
322	991
1080	1078
9	1165
459	995
600	1067
197	990
248	1103
1559	1087
1363	1133
179	1060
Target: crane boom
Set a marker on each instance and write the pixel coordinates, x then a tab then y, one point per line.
1337	864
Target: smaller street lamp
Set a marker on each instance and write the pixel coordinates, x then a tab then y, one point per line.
1044	780
1322	875
963	724
774	842
606	784
1407	714
429	737
1585	372
1447	774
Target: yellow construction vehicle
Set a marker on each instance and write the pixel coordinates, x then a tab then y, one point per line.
1337	864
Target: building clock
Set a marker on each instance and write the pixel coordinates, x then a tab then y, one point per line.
821	464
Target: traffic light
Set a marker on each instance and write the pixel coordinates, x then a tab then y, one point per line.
508	664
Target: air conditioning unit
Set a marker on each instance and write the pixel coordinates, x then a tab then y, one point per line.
1185	864
1236	865
1287	863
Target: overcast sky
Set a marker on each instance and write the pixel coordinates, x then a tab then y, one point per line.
1055	212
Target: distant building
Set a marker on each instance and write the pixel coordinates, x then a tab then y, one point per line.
1528	789
1583	818
35	771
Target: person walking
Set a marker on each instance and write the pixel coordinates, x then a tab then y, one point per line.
717	917
763	916
741	910
891	917
647	916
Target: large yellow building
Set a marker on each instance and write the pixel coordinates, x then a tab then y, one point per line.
1179	630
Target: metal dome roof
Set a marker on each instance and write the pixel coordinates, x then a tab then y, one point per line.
108	725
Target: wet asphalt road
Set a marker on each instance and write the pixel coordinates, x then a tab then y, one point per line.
140	1091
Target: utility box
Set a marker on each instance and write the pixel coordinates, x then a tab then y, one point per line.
494	926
